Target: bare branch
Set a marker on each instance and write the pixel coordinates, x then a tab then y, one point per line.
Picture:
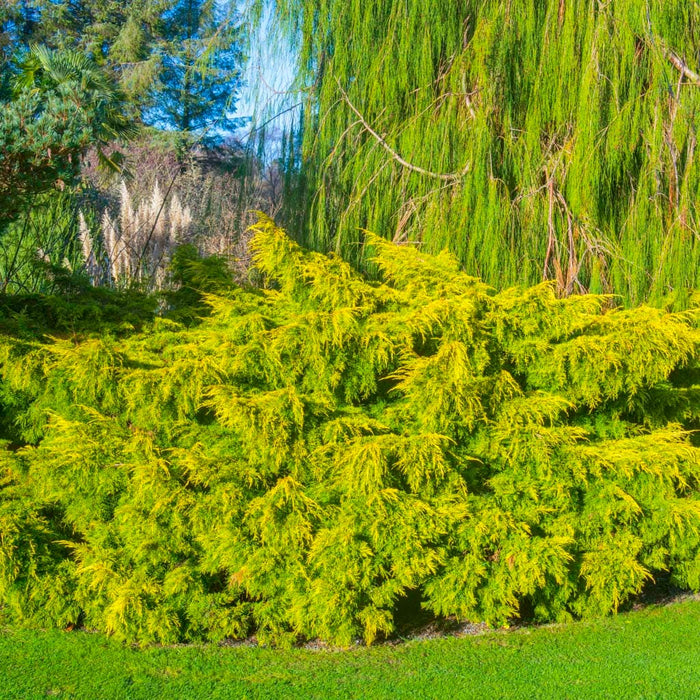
271	119
682	66
448	177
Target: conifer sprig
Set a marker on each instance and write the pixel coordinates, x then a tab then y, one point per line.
310	453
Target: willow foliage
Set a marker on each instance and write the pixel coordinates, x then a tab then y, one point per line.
311	453
536	139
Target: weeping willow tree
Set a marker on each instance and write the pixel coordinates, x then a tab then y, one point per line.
536	139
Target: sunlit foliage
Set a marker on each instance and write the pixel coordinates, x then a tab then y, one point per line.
310	453
536	139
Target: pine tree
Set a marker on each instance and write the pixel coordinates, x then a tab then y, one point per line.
61	104
120	37
177	61
200	73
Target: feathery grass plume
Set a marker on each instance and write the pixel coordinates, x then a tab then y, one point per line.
311	453
140	243
88	250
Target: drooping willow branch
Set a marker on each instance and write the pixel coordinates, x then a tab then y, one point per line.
682	66
448	177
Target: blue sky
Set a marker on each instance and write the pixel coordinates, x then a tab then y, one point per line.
268	75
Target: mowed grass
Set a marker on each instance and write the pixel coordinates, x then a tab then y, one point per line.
653	653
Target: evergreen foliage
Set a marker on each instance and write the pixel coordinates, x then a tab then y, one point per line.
200	67
310	453
536	139
60	105
177	61
119	36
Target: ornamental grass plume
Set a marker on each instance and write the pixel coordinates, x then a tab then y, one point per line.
138	244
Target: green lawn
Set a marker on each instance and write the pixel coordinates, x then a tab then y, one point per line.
654	653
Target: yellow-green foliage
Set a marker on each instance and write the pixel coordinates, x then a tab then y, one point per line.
536	139
312	452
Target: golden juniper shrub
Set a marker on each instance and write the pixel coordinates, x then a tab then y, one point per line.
314	451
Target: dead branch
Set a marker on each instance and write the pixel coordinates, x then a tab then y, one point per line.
682	66
448	177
